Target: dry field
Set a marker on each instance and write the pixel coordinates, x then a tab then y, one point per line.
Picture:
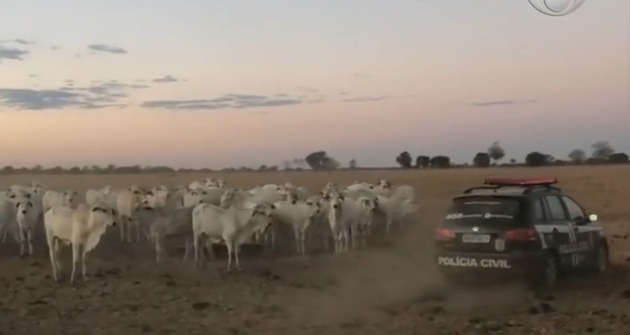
391	288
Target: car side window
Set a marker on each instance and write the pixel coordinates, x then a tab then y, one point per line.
575	211
539	214
556	210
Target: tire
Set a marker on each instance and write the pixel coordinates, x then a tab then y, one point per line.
600	260
548	278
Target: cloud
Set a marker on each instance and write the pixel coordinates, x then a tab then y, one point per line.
21	41
498	103
362	76
12	53
233	101
98	95
166	79
307	89
365	99
107	48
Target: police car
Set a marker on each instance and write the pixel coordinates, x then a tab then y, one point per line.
518	229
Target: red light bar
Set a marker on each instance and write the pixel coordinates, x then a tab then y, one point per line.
521	181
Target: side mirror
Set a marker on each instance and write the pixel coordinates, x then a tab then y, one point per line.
592	218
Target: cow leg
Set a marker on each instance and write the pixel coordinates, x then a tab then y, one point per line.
21	234
29	238
84	264
229	245
123	222
52	253
75	260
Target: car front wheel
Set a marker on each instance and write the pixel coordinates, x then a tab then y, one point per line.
600	260
551	272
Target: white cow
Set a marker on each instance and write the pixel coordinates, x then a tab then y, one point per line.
127	201
157	197
54	198
395	210
95	197
26	218
233	225
160	224
7	218
349	217
338	224
81	228
299	215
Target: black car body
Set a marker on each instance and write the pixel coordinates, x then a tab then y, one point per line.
518	229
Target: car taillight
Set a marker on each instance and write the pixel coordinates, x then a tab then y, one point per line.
524	234
444	234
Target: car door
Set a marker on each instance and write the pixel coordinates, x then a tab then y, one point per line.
563	231
584	232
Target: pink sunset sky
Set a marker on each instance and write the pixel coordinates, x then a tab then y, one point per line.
234	83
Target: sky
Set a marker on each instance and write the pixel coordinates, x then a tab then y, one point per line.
242	83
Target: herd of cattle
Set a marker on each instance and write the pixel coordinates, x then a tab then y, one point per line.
205	212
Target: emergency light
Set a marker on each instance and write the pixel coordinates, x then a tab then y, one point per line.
521	181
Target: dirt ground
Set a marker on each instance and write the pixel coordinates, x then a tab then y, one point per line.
390	288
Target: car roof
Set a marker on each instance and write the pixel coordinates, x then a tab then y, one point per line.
507	191
490	195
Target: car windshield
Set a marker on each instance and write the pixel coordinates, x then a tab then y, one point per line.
484	208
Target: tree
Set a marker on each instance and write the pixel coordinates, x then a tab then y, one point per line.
535	159
602	150
404	159
496	151
577	156
442	162
423	161
512	161
352	164
315	160
330	164
481	159
618	158
550	159
300	163
8	169
288	164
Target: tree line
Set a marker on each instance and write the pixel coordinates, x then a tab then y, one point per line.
602	152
